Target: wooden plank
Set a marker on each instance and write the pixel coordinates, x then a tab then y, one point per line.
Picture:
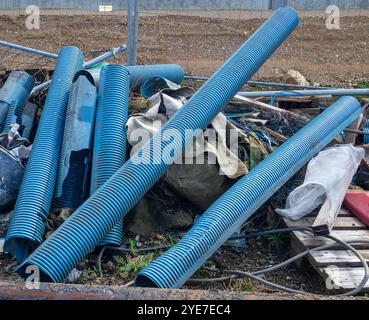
313	111
276	135
342	223
339	258
257	121
351	137
323	224
340	268
344	278
309	241
258	104
296	248
342	213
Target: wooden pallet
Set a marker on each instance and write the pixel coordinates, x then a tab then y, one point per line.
341	269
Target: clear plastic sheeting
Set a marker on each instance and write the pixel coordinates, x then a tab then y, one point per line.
328	176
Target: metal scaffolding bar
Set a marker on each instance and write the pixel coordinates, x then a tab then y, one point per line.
86	65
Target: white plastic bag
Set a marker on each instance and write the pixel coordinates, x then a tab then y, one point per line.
328	175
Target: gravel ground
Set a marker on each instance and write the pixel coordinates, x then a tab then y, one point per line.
201	43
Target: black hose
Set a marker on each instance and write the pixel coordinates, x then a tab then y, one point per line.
255	275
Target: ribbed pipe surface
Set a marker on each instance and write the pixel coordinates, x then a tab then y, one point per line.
14	95
32	207
366	129
110	135
76	154
80	234
229	212
4	108
140	74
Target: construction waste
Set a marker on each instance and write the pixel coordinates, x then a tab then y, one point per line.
203	162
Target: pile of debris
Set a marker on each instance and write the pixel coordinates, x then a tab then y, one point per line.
207	159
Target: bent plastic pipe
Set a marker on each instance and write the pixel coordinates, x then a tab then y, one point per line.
72	184
13	96
28	221
80	234
140	74
230	211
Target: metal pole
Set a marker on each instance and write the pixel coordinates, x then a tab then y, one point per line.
129	30
135	34
265	83
304	93
357	132
28	50
86	65
104	56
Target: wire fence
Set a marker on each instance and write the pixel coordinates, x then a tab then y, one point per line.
94	33
329	47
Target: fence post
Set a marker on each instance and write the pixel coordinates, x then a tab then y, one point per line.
129	29
135	34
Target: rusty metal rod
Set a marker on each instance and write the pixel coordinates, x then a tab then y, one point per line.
18	291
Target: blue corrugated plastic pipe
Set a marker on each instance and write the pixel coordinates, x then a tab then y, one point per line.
28	221
140	74
366	129
229	212
73	180
13	96
80	234
110	134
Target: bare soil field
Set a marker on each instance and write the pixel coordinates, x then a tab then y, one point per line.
201	43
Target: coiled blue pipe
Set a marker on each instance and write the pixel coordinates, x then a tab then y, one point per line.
110	135
80	234
229	212
13	96
72	184
32	207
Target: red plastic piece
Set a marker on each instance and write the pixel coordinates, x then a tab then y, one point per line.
358	204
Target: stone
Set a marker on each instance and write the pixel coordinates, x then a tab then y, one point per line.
151	215
295	77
